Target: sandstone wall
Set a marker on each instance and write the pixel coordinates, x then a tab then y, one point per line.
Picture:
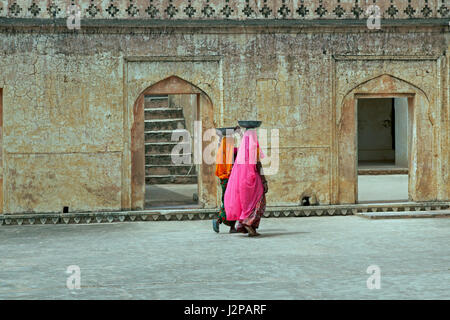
68	100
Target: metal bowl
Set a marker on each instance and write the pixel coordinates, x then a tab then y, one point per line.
223	131
249	124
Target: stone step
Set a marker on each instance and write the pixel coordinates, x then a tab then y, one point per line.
163	113
176	170
179	179
166	159
165	124
382	171
165	147
165	135
155	103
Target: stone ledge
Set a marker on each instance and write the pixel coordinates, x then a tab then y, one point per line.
382	171
405	214
61	23
365	210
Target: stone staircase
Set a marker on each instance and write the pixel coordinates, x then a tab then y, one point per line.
161	120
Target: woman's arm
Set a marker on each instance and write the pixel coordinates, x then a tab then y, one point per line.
263	178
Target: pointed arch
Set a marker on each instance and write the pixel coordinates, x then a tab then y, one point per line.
422	130
173	85
386	83
169	86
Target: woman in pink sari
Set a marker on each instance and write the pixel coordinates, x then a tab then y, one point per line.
245	199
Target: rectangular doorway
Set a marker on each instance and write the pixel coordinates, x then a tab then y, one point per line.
382	149
169	128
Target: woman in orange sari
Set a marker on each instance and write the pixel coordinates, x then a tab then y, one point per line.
224	163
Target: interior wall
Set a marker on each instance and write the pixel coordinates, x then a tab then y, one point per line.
375	130
401	132
188	102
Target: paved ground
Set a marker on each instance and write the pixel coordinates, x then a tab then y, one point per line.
373	188
294	258
173	195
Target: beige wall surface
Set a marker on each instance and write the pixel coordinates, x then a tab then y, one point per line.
68	105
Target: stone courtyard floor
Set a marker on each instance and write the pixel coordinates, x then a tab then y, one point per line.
294	258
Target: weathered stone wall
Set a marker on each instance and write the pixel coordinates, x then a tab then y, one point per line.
68	102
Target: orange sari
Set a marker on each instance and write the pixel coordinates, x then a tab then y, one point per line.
224	158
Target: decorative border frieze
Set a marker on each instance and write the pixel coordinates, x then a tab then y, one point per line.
226	9
207	214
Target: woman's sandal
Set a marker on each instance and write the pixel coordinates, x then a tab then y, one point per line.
233	230
215	224
251	232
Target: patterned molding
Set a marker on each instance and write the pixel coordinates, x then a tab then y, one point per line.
207	214
225	9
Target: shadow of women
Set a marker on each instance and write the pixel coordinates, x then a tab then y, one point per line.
266	234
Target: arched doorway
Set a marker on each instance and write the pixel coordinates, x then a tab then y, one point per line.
204	113
420	137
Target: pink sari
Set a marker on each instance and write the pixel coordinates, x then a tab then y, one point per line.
245	192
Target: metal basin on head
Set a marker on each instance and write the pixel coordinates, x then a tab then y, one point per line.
227	131
249	124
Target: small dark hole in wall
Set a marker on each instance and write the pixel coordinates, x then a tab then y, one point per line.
65	209
305	201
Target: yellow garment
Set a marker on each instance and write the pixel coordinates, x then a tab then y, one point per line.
224	159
